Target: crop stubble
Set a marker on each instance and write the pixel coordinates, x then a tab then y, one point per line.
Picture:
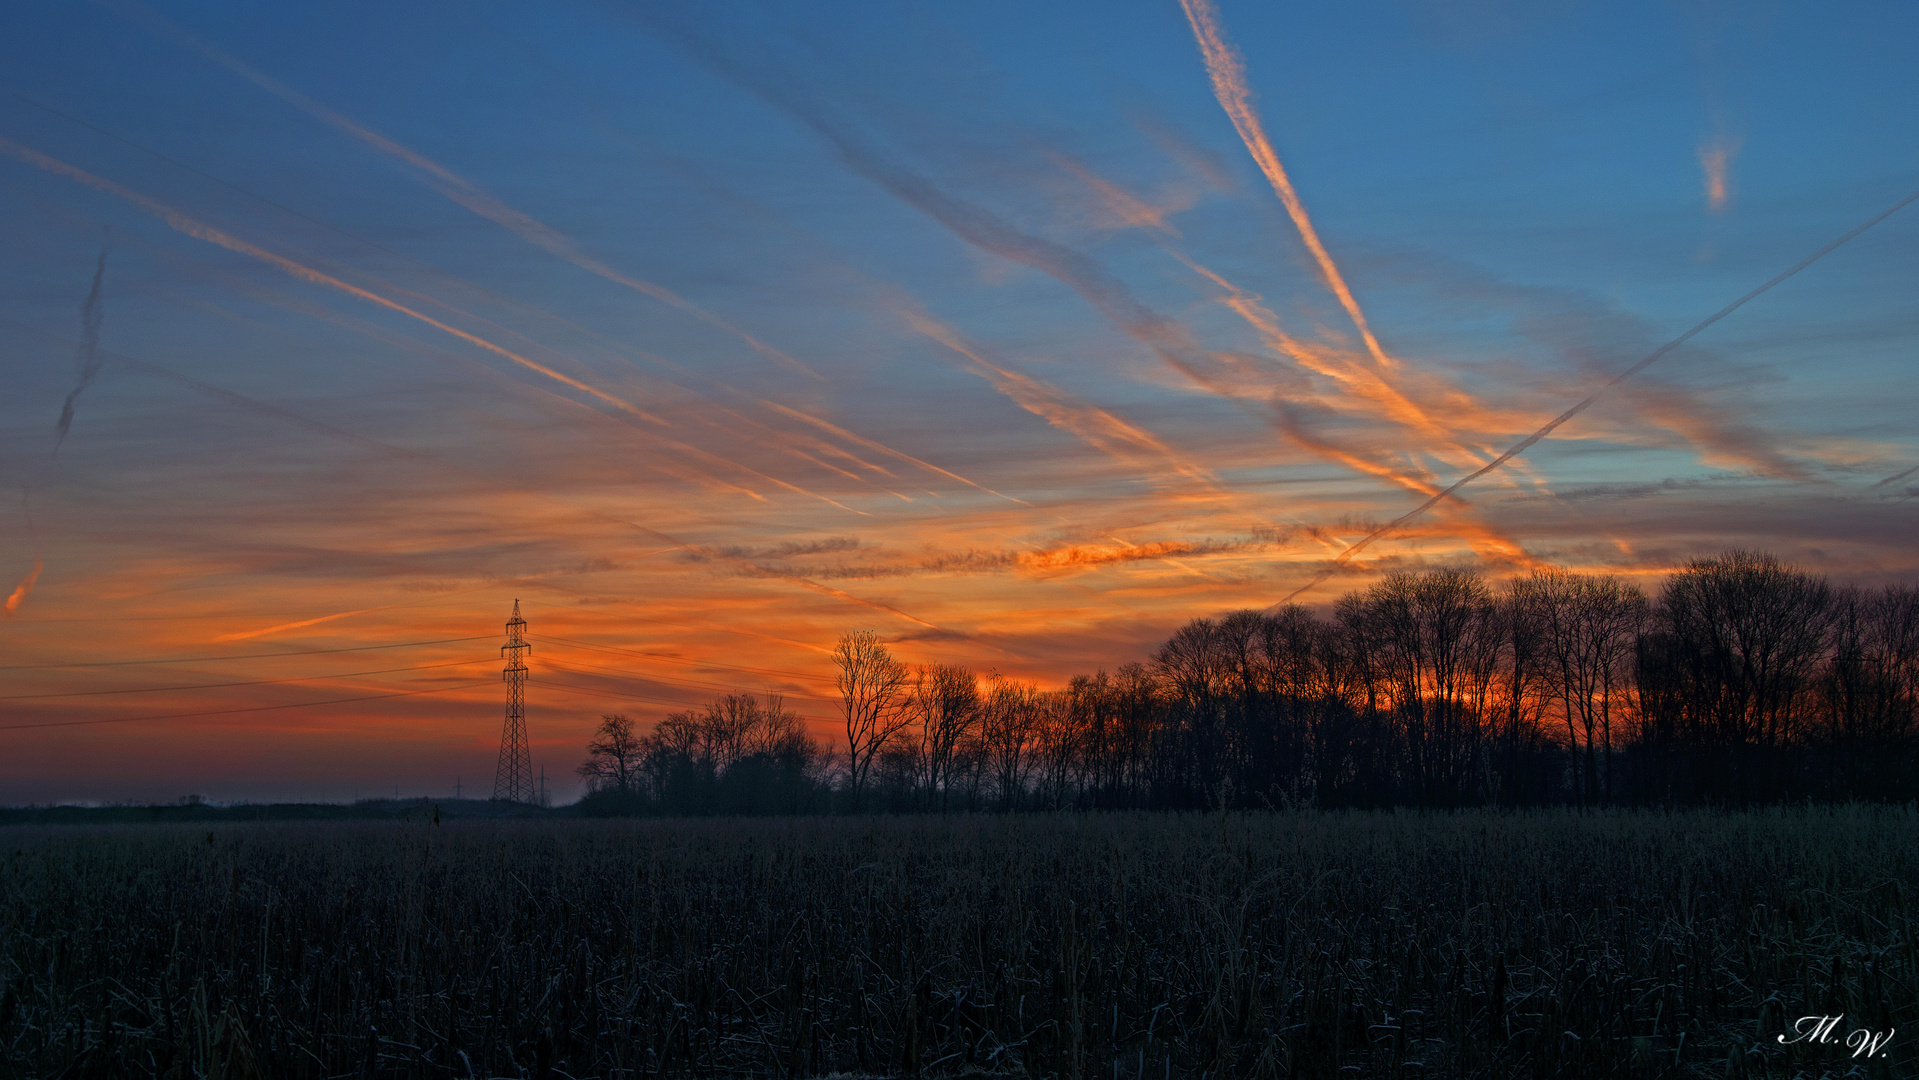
1398	945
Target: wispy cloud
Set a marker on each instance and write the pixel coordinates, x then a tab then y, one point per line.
87	353
450	184
21	590
1083	375
200	230
1715	162
1100	428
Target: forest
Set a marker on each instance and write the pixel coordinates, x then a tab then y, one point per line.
1745	681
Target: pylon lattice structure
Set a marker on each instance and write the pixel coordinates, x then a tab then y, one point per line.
514	779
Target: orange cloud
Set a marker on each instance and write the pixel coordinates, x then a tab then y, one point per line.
1715	160
21	590
1360	388
1078	556
245	635
1119	202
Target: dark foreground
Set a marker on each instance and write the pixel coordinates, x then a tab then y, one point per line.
1540	945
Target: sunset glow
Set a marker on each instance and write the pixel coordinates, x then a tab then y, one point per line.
1018	337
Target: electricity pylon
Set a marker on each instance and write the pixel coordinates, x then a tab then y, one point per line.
514	779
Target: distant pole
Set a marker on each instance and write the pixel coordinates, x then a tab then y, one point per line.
513	781
456	787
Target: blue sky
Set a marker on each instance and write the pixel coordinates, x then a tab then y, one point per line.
716	331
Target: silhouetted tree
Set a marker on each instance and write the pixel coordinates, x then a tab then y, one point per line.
874	699
1590	626
946	705
1747	633
1009	720
1749	680
613	756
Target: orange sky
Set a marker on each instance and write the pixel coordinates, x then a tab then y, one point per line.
1013	392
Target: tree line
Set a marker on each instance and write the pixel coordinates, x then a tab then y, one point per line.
1745	681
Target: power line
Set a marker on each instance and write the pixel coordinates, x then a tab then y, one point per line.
230	712
257	682
570	688
1526	443
549	684
242	656
681	660
606	673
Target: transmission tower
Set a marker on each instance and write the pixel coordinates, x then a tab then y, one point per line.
514	780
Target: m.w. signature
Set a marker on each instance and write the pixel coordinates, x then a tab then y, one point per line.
1864	1042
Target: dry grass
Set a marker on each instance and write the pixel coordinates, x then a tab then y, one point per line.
1474	944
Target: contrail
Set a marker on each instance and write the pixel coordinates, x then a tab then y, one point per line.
1166	338
1289	422
202	231
791	442
464	283
424	299
975	224
88	352
455	187
861	440
1896	477
1111	434
671	542
1526	443
199	230
1356	379
247	634
1236	97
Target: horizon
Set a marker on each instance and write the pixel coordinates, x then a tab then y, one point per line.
1017	337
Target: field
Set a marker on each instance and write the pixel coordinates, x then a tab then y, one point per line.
1547	944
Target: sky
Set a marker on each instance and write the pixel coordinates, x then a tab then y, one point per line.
1016	334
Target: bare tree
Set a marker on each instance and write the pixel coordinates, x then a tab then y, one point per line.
1751	632
1059	743
874	696
613	756
1590	625
1429	645
946	700
1008	724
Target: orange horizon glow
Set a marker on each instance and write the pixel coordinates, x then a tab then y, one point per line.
711	343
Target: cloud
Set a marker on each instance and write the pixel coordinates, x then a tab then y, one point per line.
200	230
1100	428
20	591
1228	74
1715	163
453	186
1583	404
87	354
